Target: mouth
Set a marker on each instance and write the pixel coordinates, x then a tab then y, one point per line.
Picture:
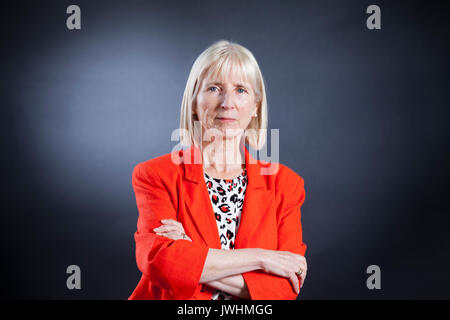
226	119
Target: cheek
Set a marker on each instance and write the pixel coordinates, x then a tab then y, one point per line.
247	103
204	111
199	102
247	109
205	103
246	115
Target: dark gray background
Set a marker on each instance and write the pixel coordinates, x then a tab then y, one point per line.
362	116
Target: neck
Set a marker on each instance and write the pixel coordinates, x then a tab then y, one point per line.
223	156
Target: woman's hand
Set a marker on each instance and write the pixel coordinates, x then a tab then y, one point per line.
281	263
172	229
285	264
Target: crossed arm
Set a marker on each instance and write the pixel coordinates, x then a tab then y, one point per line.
234	285
236	272
222	269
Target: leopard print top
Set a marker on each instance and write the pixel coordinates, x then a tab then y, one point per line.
227	198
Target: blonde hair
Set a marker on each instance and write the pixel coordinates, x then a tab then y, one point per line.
221	58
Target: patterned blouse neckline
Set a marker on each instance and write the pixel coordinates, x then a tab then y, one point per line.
242	175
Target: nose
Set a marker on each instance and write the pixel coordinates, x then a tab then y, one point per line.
227	102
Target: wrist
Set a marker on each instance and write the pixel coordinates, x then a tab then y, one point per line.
258	256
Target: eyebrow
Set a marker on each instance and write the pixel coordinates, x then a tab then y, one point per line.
220	83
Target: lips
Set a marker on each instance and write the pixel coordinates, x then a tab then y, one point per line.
225	118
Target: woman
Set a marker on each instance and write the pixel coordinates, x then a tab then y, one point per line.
215	223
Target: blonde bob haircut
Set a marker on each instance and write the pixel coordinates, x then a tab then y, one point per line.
222	58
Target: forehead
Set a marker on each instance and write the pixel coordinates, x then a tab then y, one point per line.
232	73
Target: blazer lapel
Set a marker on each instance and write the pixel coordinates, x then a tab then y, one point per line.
256	201
198	202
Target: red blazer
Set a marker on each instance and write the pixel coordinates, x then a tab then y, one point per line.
173	187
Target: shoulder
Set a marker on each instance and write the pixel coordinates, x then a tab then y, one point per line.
289	175
280	176
288	186
163	166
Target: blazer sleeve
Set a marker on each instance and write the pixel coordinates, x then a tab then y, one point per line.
265	286
174	265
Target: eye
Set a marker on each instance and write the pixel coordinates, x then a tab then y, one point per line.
209	89
243	90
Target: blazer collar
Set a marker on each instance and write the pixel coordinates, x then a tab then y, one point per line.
257	202
193	167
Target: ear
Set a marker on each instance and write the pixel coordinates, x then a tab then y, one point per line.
255	114
193	111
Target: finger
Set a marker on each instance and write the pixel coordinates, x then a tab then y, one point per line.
171	222
171	235
302	277
167	228
163	234
174	235
302	265
294	281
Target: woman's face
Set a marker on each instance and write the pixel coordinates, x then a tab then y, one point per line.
227	105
